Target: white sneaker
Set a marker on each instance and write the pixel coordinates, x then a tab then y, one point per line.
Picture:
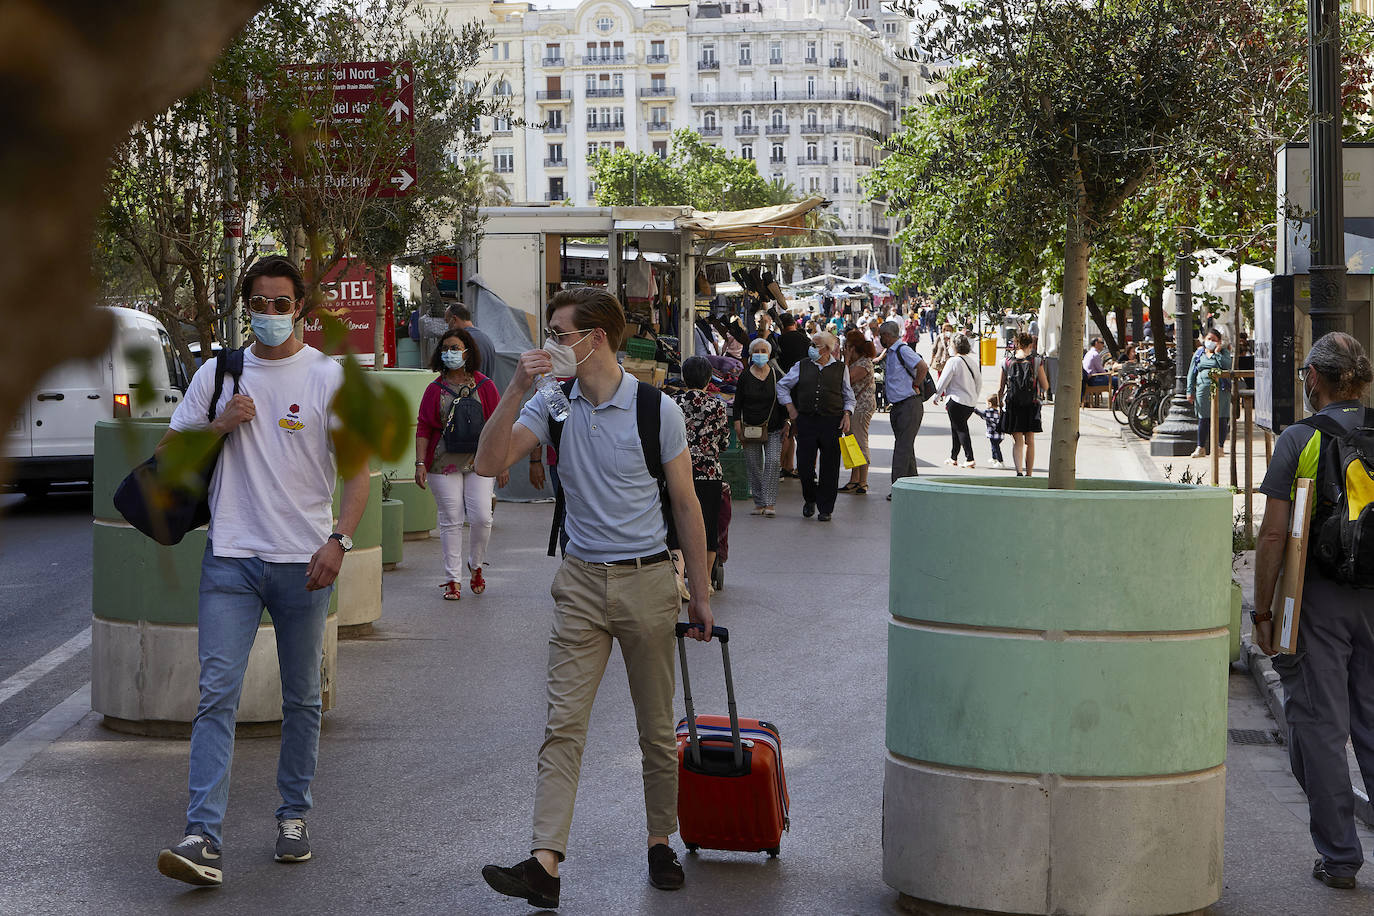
1199	453
998	465
966	464
951	462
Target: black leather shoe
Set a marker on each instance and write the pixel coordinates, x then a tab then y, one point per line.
823	517
1341	882
528	880
808	510
665	871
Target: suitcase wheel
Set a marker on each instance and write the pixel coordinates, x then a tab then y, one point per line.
773	853
692	847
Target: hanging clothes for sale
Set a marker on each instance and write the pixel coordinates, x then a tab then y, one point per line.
639	279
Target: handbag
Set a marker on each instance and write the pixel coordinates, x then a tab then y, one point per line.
851	454
165	510
757	435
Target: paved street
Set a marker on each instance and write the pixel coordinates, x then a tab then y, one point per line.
427	761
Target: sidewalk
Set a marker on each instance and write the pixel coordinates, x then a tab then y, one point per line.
427	761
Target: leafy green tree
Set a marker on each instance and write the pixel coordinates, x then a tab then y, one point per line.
1064	111
694	174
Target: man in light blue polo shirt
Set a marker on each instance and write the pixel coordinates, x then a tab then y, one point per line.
616	581
902	380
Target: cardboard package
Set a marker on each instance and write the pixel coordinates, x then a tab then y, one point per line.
1287	605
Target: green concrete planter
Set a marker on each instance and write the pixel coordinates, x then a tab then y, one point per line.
407	353
421	516
1063	711
1237	600
393	533
145	610
359	585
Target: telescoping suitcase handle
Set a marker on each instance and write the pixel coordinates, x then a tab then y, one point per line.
695	744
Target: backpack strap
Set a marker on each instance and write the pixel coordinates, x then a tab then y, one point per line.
229	362
560	504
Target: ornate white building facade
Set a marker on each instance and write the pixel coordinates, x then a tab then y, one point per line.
806	88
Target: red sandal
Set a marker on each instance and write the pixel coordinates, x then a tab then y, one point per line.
478	584
452	591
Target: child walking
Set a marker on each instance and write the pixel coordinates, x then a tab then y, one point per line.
992	416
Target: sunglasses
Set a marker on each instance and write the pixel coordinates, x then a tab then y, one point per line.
557	336
281	304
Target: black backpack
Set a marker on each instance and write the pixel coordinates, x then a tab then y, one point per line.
648	421
1342	535
166	511
463	426
1021	382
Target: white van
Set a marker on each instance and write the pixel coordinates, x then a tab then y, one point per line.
53	437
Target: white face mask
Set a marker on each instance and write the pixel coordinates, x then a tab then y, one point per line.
1307	397
1209	345
565	361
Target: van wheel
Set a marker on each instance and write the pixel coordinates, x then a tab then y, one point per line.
35	489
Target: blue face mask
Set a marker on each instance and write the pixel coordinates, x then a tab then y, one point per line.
759	359
813	354
453	359
271	330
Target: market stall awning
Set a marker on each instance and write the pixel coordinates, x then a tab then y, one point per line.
751	225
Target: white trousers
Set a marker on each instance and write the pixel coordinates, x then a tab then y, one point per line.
462	497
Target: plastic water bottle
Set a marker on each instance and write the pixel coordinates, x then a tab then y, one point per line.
553	396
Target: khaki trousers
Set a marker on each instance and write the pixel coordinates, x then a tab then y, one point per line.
594	604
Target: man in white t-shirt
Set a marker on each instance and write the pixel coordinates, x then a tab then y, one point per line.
272	545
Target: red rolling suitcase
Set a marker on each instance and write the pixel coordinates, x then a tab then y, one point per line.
732	793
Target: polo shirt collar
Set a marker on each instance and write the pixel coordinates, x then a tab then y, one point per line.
624	397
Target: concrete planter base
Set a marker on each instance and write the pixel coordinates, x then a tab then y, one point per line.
1056	742
360	591
145	678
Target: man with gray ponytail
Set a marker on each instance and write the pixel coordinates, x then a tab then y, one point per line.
1329	681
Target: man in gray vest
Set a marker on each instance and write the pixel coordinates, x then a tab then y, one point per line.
902	385
819	400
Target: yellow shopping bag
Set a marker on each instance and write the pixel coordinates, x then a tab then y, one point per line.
851	454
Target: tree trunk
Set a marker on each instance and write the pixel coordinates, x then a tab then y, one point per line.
1069	391
1157	335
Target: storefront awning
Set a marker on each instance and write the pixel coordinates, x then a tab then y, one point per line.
751	225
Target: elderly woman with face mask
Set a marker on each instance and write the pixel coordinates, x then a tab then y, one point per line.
759	420
1213	354
819	400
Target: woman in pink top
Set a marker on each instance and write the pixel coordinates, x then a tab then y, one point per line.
460	493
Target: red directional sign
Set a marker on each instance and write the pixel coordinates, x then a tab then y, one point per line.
355	89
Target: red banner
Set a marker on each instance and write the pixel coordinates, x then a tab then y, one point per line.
350	296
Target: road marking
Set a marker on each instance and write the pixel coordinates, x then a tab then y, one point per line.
52	725
63	653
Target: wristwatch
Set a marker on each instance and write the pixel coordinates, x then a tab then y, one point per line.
344	540
1256	617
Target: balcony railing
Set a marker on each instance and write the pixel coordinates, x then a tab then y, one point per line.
775	129
656	58
556	195
745	62
813	128
614	92
658	92
813	160
881	231
555	128
498	132
659	127
777	160
775	61
712	131
559	61
592	59
553	95
708	65
843	95
811	61
839	63
601	127
749	130
863	160
555	163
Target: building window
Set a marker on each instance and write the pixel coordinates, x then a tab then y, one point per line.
556	118
814	184
708	120
501	125
661	149
505	50
746	151
775	52
746	53
618	81
777	154
591	150
657	49
810	87
810	51
811	151
658	115
502	87
708	51
619	117
503	159
658	81
746	118
812	120
553	52
605	24
556	152
835	185
776	118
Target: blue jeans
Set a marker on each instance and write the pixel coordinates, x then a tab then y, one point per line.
233	593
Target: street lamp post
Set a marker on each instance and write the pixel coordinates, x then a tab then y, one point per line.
1177	435
1328	309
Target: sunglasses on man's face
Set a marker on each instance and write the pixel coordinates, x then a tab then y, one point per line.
280	304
